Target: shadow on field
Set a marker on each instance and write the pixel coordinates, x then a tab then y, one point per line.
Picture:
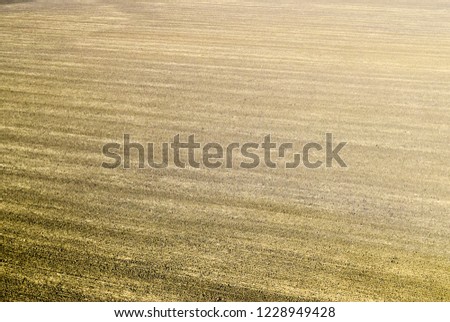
14	1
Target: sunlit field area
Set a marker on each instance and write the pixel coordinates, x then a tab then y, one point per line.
76	75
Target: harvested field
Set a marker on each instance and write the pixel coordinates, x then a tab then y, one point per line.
75	75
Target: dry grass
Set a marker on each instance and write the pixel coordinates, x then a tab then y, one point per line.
77	74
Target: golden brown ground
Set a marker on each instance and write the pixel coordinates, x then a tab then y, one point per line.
77	74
